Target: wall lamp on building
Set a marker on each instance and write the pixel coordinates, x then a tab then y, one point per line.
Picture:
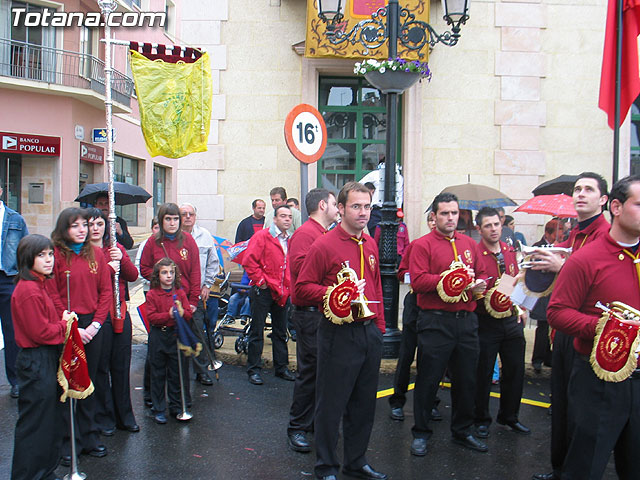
373	32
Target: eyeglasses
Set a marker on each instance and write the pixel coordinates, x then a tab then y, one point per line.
187	214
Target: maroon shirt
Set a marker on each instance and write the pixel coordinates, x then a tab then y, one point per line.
160	301
405	262
490	265
35	319
90	284
324	261
431	255
128	272
187	257
579	238
600	271
299	245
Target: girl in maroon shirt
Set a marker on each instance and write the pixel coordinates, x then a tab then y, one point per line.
114	402
163	353
39	333
90	295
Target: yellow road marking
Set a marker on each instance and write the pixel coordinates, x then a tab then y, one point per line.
389	391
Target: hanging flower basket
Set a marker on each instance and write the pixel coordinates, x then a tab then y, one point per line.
393	75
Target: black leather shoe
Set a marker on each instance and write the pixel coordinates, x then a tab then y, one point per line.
364	472
204	379
286	375
98	451
15	391
327	477
517	427
65	460
107	432
436	416
255	379
298	442
148	403
419	447
545	476
397	414
471	442
129	428
537	367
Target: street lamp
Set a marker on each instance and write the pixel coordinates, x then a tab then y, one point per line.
413	35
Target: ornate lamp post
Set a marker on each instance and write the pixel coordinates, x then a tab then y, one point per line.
400	26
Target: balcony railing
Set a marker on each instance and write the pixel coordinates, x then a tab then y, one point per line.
61	67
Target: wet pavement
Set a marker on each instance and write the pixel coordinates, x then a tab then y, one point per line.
238	431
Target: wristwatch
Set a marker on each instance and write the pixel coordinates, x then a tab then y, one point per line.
96	325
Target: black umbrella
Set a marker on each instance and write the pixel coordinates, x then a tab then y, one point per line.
562	184
126	194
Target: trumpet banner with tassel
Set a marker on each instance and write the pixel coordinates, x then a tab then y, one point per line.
174	94
73	371
613	356
318	45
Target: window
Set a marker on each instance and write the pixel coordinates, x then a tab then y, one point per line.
88	43
28	58
125	170
635	138
159	187
356	118
12	188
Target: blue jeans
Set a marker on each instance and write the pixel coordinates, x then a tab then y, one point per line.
239	302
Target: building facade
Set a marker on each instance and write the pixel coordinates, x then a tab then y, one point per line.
513	104
52	95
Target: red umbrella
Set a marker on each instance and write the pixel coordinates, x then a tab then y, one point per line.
559	205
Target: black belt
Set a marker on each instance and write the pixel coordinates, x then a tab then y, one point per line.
163	328
306	309
458	314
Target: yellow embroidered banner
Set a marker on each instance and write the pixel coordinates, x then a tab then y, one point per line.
319	45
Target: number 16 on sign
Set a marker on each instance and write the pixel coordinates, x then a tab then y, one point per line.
305	133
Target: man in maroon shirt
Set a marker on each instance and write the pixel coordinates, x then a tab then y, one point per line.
348	353
605	415
265	262
447	330
498	332
323	211
589	199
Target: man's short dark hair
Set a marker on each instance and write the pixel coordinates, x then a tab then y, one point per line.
602	183
351	187
370	186
621	189
278	191
294	201
484	213
275	212
314	197
254	204
444	197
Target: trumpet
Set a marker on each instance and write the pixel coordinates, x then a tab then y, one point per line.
348	273
527	255
621	312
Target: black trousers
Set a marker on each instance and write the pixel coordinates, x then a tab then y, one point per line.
408	345
541	346
114	402
10	346
38	435
263	303
603	416
347	381
504	336
87	432
563	357
445	339
163	356
304	390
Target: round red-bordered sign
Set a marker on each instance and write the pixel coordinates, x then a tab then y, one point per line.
305	133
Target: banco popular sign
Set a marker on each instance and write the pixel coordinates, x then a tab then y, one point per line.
28	144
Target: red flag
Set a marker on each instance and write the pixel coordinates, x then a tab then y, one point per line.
73	372
630	78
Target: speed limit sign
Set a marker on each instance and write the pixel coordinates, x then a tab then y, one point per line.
305	133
